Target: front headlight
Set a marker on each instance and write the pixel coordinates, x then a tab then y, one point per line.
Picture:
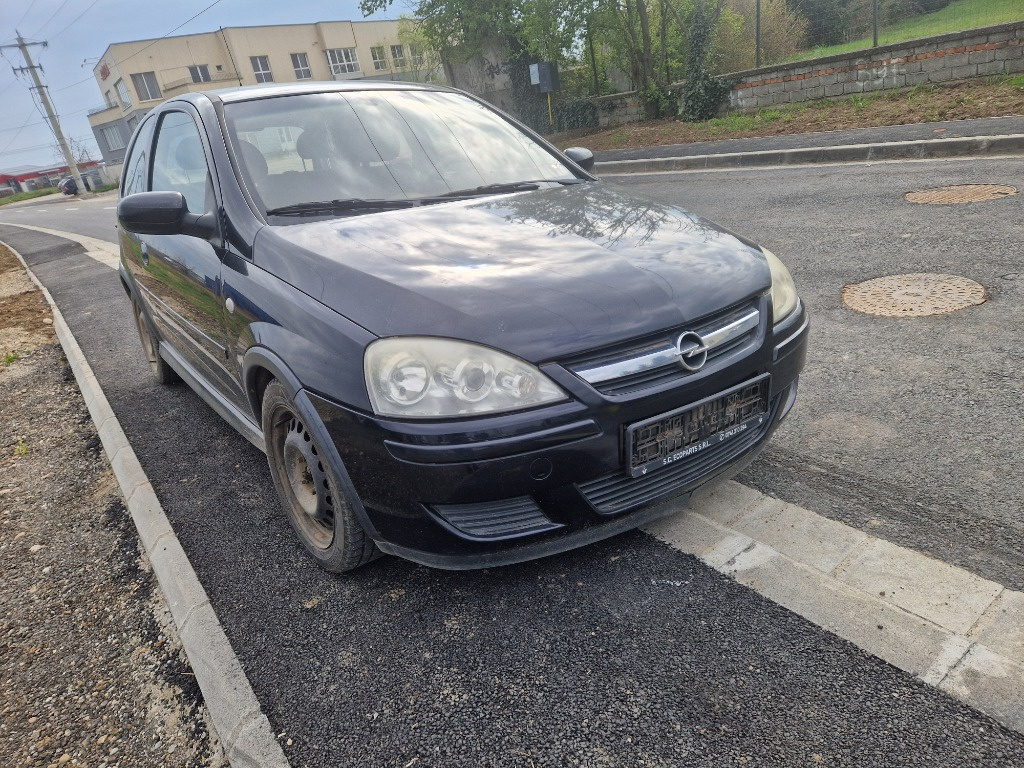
784	298
423	378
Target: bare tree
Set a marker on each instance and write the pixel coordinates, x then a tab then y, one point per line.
80	151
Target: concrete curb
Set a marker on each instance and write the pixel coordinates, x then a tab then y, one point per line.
242	727
929	149
951	628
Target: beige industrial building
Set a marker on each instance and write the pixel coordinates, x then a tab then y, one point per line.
134	77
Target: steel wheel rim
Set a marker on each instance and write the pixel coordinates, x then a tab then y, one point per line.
305	480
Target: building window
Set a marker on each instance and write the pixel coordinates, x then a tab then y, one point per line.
145	86
261	68
113	137
109	98
342	60
380	61
122	94
398	56
416	55
301	64
200	73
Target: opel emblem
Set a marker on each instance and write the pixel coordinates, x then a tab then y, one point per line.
692	351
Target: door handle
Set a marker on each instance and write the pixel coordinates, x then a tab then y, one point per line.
145	255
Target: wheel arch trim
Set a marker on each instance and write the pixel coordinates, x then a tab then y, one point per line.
257	358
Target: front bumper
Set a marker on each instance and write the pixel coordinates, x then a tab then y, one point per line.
492	491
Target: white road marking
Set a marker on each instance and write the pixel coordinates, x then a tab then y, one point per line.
949	627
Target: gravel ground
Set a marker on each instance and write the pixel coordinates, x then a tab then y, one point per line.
91	670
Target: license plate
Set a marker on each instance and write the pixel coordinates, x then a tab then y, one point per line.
678	435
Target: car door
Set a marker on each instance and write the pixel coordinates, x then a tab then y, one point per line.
183	273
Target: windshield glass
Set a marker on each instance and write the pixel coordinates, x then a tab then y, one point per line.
379	145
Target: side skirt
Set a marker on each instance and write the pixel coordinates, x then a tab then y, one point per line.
227	410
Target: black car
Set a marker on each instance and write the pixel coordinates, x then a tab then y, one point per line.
452	341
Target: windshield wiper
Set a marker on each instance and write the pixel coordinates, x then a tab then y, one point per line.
504	187
494	189
339	206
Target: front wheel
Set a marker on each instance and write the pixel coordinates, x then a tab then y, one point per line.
313	498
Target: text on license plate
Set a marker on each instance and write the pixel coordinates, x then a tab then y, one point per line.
678	435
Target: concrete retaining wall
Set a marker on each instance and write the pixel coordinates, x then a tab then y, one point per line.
958	56
618	108
981	52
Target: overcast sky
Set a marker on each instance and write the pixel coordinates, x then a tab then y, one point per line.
80	30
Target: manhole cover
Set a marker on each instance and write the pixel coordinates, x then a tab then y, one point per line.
916	295
961	193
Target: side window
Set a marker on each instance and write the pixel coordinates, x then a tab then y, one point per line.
179	163
137	165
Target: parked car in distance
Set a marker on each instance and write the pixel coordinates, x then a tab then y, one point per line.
453	342
68	186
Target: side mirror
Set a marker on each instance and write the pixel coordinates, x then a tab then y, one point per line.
163	213
583	157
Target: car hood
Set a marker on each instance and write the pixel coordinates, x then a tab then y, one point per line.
538	274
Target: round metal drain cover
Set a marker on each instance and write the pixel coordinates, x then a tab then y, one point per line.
961	193
915	295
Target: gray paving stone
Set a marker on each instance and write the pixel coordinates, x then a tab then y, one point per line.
803	536
1002	627
906	641
990	682
948	596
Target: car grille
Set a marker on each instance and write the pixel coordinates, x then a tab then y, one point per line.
653	361
617	491
504	519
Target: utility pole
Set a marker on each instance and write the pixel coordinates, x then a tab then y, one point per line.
44	97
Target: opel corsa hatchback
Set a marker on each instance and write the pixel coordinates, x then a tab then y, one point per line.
453	342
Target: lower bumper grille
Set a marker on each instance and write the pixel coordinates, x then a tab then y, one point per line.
504	519
617	492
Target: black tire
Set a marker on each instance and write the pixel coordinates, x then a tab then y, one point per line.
163	372
316	503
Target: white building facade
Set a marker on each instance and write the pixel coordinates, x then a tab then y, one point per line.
136	76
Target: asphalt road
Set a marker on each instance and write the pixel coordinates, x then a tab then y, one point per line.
628	652
909	428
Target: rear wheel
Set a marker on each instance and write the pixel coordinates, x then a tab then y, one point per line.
313	498
163	372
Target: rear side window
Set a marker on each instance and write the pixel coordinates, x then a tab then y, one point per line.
136	168
179	163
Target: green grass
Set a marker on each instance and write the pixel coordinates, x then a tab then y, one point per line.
10	357
27	195
21	449
105	188
957	16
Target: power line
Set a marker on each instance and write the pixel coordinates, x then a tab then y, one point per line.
8	130
53	16
37	147
30	5
155	41
15	137
69	26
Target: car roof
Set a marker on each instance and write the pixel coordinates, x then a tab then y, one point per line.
271	90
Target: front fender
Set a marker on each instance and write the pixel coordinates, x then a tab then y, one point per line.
259	359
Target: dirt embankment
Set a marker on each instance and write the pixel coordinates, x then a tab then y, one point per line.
953	101
91	673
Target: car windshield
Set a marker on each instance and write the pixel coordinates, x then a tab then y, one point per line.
379	147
